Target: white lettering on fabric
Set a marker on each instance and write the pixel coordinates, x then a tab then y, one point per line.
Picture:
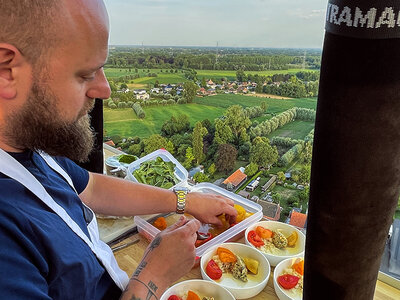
359	18
345	16
387	17
354	17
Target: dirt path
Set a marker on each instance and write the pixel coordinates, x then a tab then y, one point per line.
267	96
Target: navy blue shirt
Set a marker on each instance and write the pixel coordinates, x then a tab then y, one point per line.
40	256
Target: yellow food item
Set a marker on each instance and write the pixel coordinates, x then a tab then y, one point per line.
251	265
292	239
241	213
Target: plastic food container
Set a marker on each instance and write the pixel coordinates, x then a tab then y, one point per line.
231	234
180	172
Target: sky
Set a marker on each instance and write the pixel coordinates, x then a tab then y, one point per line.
230	23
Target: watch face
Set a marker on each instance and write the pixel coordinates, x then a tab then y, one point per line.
181	189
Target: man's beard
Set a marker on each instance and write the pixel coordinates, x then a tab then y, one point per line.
37	126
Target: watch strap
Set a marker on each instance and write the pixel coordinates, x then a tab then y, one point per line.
180	201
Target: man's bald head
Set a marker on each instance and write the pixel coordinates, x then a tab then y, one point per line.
30	25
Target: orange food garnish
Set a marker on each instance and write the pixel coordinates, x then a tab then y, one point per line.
192	296
225	255
160	223
264	232
299	267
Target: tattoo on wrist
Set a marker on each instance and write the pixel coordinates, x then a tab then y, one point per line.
154	244
140	268
152	286
151	289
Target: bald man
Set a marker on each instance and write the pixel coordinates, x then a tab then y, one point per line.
51	69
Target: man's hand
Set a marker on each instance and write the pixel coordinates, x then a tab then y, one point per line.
170	256
206	207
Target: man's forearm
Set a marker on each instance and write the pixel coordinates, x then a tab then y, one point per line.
114	196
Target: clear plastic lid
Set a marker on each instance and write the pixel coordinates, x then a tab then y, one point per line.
149	231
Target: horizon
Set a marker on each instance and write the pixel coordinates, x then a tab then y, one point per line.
231	24
212	47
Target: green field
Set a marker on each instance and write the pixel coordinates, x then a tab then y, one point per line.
297	130
166	77
273	105
124	122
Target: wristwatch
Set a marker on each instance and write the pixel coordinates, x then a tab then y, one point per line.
181	193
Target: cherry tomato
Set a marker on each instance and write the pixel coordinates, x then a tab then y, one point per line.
213	270
174	297
201	242
254	238
288	281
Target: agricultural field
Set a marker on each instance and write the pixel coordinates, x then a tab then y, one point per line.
124	122
273	105
297	130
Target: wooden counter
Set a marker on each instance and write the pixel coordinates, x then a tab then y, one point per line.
128	259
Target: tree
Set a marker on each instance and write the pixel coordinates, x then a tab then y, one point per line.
262	153
124	86
200	177
211	169
226	157
154	142
240	75
223	134
281	176
189	158
203	82
251	169
189	91
305	173
238	122
198	133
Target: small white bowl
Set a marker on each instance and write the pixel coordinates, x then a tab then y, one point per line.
200	287
280	292
239	289
286	229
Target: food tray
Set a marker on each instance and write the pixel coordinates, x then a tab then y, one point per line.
232	233
180	172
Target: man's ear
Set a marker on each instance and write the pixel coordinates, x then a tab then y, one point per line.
10	59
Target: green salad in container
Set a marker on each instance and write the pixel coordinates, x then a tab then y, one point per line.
157	172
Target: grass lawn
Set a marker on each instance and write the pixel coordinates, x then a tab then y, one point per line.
297	130
162	77
124	122
273	105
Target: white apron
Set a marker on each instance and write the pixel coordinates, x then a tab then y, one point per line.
13	169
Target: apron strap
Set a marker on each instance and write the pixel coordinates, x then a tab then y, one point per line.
13	169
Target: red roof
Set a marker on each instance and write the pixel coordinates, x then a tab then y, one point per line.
298	219
110	143
236	178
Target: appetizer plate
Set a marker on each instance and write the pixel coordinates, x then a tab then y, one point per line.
239	289
202	288
286	230
281	292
